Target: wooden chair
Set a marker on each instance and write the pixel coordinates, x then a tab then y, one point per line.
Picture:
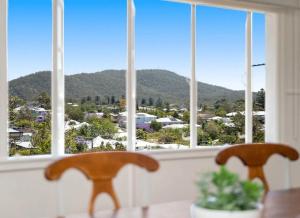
255	156
101	168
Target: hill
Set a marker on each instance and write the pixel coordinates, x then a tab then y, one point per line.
154	83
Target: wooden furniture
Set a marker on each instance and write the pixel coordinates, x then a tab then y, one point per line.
282	204
278	204
101	168
255	156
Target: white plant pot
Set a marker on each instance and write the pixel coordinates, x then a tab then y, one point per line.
198	212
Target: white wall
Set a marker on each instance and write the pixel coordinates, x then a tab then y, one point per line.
27	194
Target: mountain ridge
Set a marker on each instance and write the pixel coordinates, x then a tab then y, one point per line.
154	83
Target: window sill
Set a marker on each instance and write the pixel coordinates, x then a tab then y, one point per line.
40	162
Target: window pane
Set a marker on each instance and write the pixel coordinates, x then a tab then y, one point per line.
95	58
220	70
259	77
163	72
29	46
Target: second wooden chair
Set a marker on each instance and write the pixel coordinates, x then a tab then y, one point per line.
255	156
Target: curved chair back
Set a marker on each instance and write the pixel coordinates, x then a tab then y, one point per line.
101	168
255	156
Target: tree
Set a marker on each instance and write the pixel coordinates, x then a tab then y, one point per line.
159	103
41	140
260	99
88	98
150	101
175	114
83	100
74	113
213	129
203	137
143	102
112	100
141	134
122	103
167	105
103	127
156	126
222	103
44	100
97	100
25	114
107	99
14	102
186	117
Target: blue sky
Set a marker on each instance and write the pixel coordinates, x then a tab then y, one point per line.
95	39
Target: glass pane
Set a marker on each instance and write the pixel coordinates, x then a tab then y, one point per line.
163	72
95	58
220	72
259	77
29	46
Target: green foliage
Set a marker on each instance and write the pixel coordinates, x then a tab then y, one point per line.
141	134
213	130
156	126
224	190
101	126
44	100
41	140
203	137
260	100
74	113
186	117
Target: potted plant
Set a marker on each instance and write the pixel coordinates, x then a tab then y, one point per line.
224	195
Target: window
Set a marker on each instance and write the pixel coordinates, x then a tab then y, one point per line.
221	92
95	54
259	77
163	91
29	75
176	88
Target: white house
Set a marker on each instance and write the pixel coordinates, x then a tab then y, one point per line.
169	121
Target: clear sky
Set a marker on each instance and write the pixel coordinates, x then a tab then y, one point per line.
95	39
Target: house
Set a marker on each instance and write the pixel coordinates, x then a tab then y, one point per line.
73	124
169	121
93	114
143	120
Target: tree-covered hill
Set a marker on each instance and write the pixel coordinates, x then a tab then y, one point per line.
154	83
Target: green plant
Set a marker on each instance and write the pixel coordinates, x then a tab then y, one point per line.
224	190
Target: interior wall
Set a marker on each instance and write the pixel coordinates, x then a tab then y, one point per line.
26	194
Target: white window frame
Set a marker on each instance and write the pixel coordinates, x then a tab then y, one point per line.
58	91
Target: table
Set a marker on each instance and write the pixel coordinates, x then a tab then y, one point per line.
283	204
278	204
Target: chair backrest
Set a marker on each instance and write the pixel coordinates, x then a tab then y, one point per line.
101	168
255	156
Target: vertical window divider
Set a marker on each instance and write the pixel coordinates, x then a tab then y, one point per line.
131	77
57	76
3	80
248	91
193	81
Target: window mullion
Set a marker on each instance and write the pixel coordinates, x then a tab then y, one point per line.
248	91
3	80
131	77
193	83
58	84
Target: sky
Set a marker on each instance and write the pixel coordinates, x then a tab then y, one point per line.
95	39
